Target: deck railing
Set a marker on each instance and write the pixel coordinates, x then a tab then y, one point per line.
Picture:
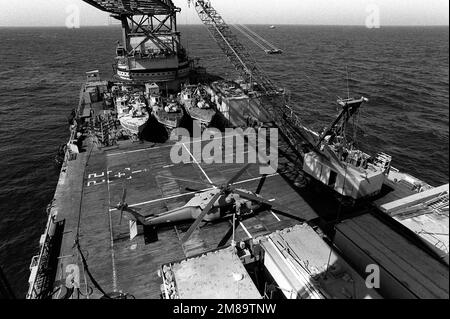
38	262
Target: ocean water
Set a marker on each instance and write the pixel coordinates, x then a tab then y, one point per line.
404	71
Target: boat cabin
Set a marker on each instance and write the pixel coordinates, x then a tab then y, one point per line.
93	76
122	105
120	51
151	89
154	100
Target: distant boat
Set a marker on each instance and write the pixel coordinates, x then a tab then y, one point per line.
272	27
273	51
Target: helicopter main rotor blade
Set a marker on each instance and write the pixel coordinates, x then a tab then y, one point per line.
124	195
238	174
118	207
187	180
261	184
135	208
272	205
201	216
284	213
136	216
121	214
131	210
251	197
122	204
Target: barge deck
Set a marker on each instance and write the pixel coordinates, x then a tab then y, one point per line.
96	180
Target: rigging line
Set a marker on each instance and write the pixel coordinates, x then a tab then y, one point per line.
258	36
77	240
337	219
187	38
319	85
264	45
348	89
113	260
251	39
249	36
85	265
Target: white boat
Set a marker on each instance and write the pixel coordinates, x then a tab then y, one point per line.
132	114
198	104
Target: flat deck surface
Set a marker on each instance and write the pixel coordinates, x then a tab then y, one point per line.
406	270
310	257
120	264
216	275
433	227
96	179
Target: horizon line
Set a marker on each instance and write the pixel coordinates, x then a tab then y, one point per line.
261	24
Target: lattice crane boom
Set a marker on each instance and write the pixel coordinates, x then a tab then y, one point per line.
284	116
242	61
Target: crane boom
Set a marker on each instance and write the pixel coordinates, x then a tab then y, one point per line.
242	61
284	116
300	139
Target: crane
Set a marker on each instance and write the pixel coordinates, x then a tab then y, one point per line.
327	157
242	61
155	21
284	116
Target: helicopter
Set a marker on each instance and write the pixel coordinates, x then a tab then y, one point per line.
216	203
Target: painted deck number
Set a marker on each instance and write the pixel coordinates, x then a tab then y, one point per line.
95	176
95	179
95	183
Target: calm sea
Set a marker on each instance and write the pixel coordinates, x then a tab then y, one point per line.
404	72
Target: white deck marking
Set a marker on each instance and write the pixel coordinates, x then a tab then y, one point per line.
226	156
245	229
199	166
119	175
95	183
95	175
166	146
275	215
190	193
139	150
113	259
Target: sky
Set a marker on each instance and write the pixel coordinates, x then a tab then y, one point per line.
315	12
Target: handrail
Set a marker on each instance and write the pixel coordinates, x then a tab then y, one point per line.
32	291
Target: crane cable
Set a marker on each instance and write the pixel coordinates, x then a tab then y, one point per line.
250	37
259	37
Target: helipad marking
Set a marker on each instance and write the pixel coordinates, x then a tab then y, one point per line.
226	156
191	193
198	140
245	229
275	215
199	166
113	259
118	174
